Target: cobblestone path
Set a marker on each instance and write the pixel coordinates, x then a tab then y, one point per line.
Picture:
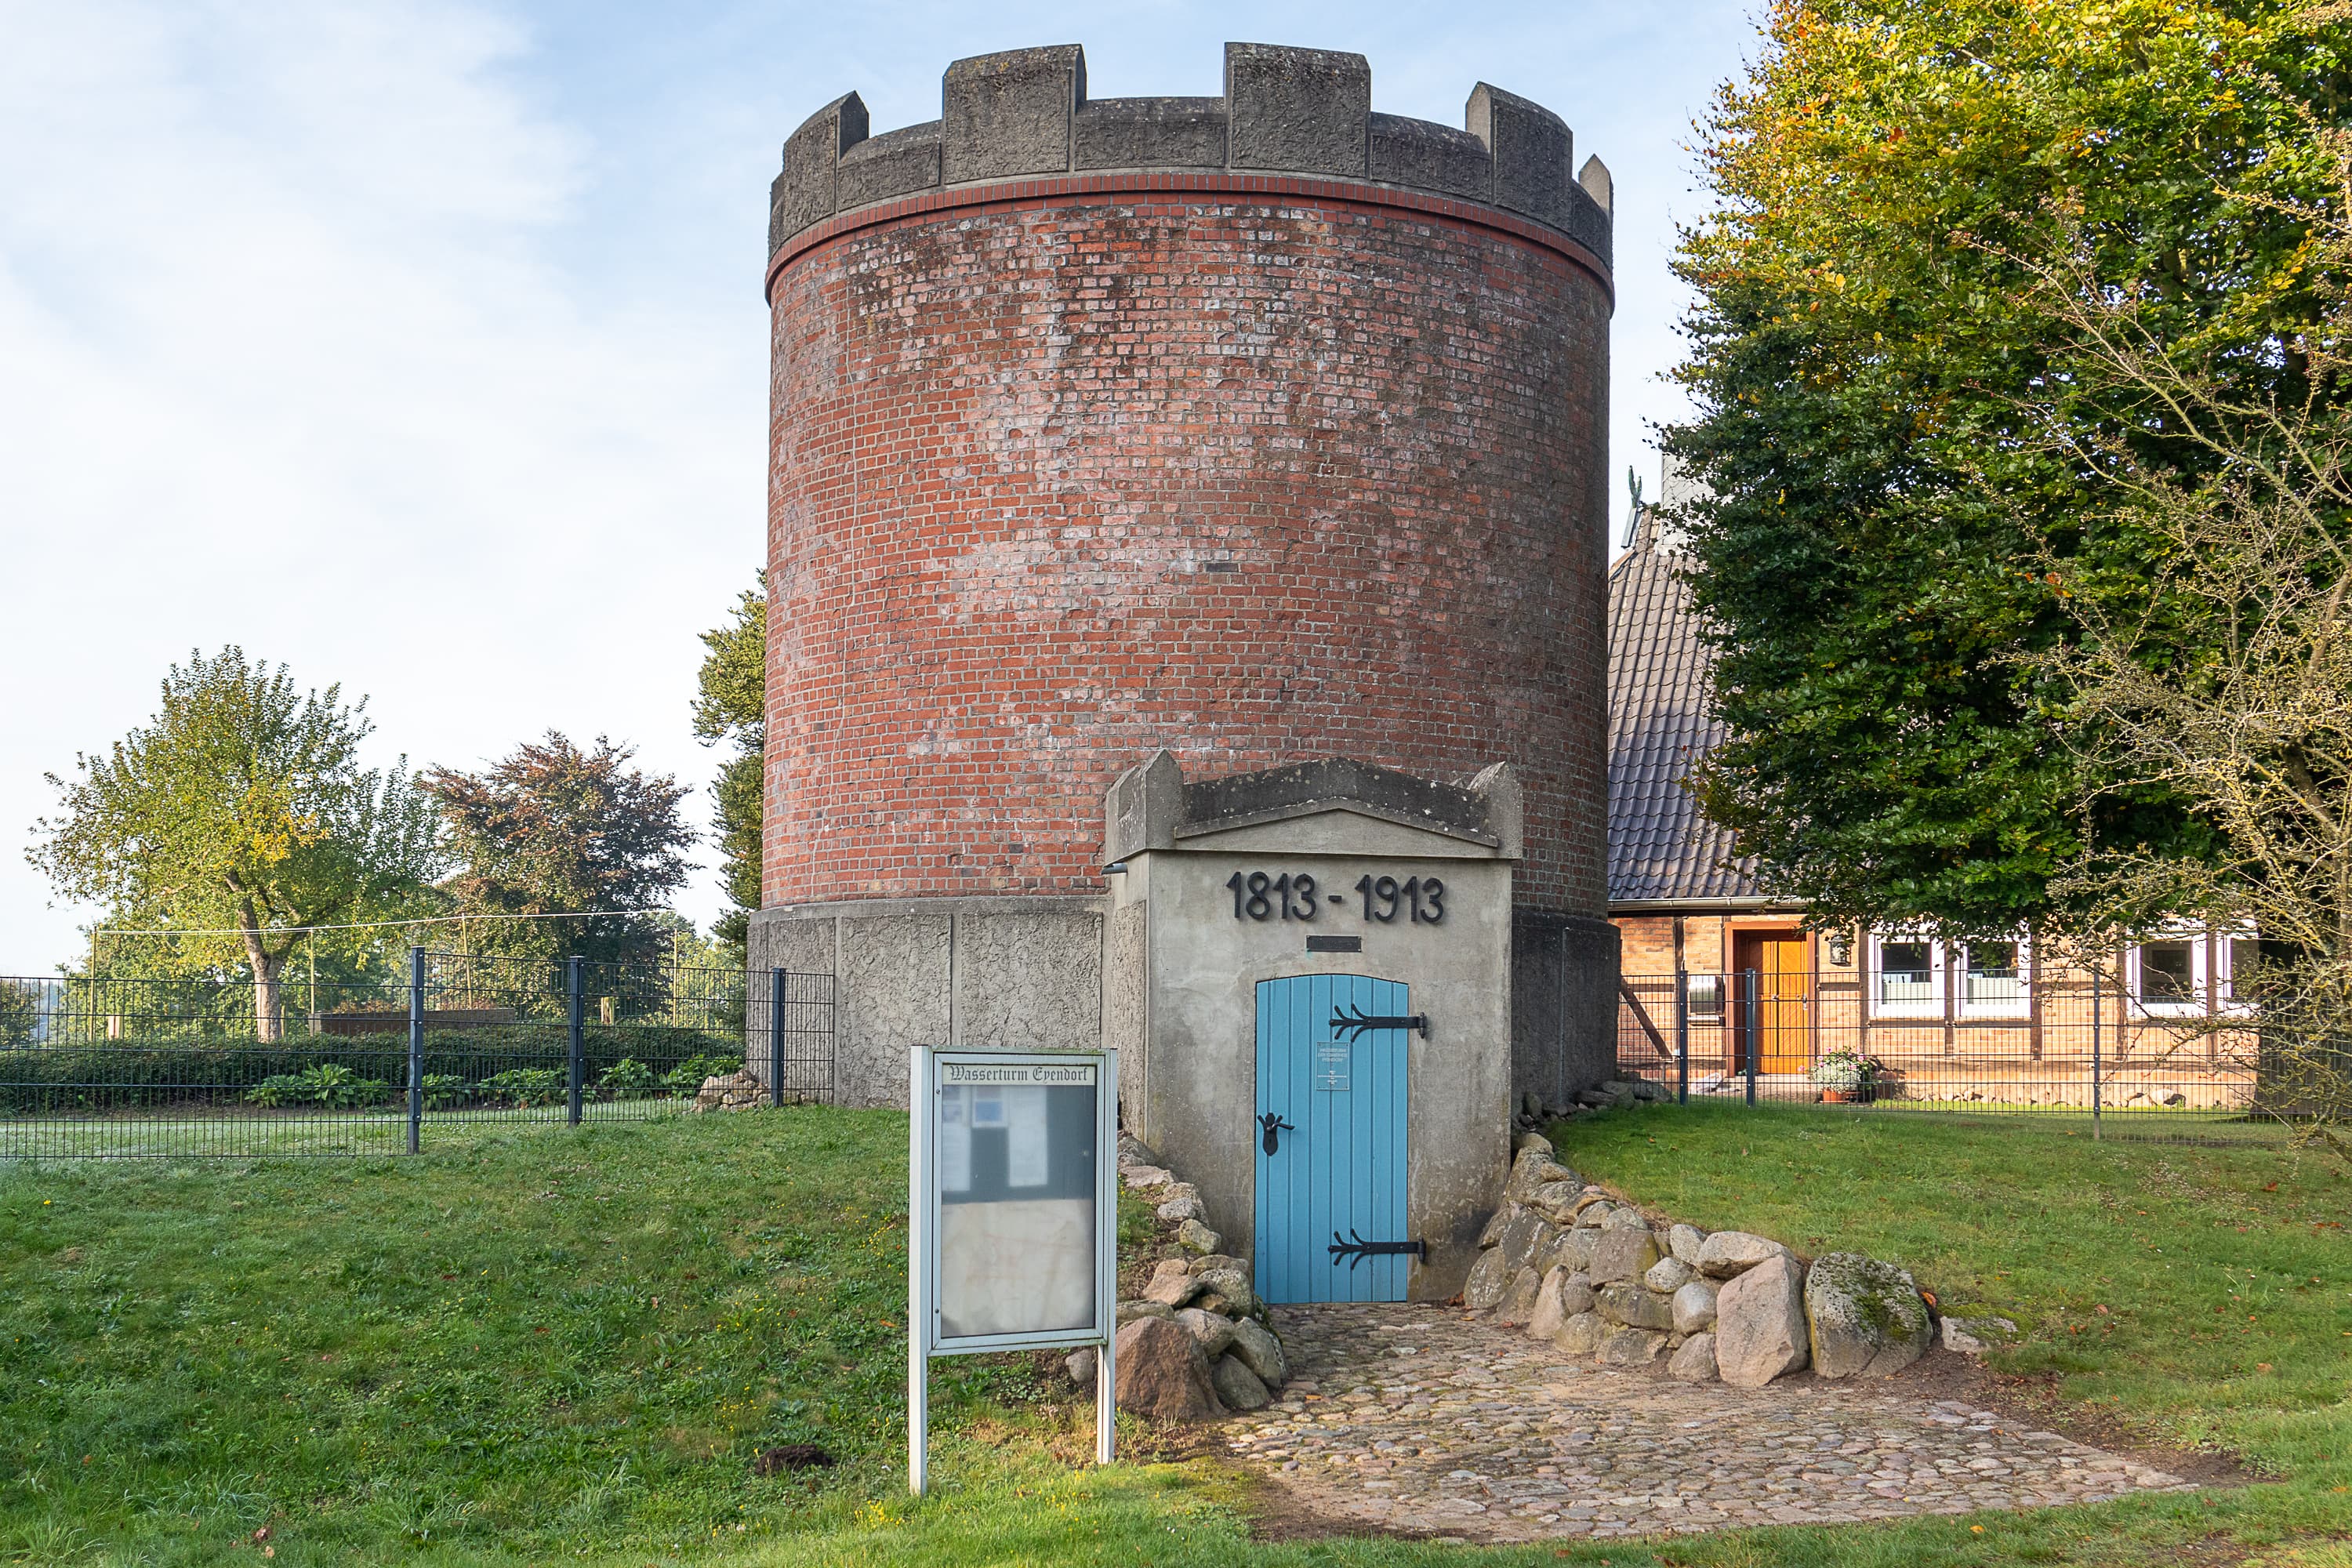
1425	1420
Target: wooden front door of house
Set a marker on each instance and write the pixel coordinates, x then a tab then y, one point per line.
1784	999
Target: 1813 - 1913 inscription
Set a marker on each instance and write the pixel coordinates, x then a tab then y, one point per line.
1294	896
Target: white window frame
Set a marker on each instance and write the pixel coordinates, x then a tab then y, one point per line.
1933	1007
2022	1008
2200	979
2225	968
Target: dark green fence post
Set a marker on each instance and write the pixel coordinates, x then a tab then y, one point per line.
2097	961
416	1045
775	1038
1747	979
1682	1034
579	1044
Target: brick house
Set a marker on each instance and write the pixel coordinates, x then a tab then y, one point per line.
2000	1017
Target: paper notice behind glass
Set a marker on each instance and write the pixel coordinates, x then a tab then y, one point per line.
1028	1155
955	1139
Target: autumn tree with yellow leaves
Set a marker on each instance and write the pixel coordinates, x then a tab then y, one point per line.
240	812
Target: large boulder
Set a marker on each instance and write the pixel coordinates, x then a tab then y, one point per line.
1866	1316
1137	1307
1636	1308
1730	1252
1162	1376
1534	1168
1625	1218
1214	1331
1695	1307
1172	1284
1237	1385
1556	1201
1630	1347
1495	1224
1695	1363
1974	1336
1668	1274
1518	1302
1620	1255
1227	1292
1562	1296
1581	1334
1759	1322
1180	1203
1490	1278
1570	1249
1255	1348
1194	1235
1684	1242
1522	1237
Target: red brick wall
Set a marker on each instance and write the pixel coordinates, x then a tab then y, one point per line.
1006	443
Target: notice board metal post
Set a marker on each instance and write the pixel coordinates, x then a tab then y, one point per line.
925	1338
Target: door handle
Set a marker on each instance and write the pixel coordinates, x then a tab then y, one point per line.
1274	1125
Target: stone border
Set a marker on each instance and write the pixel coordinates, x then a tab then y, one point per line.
1578	1266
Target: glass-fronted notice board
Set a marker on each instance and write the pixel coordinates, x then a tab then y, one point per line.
1014	1214
1017	1152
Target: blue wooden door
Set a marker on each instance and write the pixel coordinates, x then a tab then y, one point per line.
1337	1168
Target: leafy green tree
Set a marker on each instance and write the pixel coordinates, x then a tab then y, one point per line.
731	705
553	830
22	1002
240	805
1902	445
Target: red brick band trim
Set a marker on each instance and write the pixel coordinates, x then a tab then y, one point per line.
1004	195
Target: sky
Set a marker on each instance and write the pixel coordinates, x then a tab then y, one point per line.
420	347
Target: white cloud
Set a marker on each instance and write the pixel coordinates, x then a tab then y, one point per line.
297	356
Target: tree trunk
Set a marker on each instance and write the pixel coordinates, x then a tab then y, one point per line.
268	1008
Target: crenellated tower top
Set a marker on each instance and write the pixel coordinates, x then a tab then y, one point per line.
1024	114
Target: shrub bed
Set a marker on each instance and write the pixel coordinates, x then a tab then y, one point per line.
504	1064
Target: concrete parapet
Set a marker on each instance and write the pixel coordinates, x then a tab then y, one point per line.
1151	133
1298	111
1010	113
1026	113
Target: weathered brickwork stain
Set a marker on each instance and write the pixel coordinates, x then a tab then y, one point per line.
1055	484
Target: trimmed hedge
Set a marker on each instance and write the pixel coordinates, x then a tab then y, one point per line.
125	1075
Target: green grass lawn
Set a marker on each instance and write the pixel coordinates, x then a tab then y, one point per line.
540	1345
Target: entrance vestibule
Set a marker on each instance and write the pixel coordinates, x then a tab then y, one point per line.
1308	977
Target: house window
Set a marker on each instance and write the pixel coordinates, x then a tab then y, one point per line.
1906	977
1995	982
2239	956
1706	994
2165	974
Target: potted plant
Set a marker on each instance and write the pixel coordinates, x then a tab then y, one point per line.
1846	1075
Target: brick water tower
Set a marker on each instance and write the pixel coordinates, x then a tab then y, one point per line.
1262	430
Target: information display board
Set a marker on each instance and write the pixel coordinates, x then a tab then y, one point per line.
1012	1172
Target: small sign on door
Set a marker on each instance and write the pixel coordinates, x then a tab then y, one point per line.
1331	1067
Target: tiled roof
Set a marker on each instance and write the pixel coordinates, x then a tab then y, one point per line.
1660	848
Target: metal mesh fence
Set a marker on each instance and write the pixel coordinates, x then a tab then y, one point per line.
176	1067
2079	1050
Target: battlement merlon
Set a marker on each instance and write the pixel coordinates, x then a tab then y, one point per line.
1284	110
